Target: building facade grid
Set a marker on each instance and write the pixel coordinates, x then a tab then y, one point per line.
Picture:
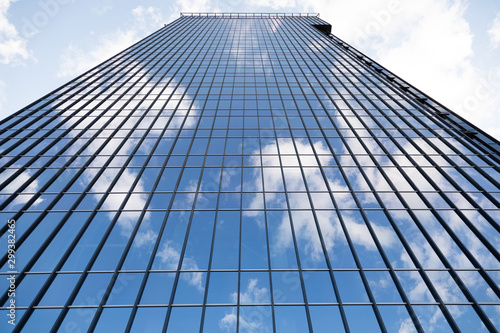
252	175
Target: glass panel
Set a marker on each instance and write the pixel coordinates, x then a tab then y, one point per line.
60	243
93	289
184	320
142	247
149	320
158	288
190	288
199	241
254	288
351	287
171	242
26	291
253	241
466	318
396	319
108	323
112	250
223	288
280	240
222	319
326	319
491	311
60	289
77	319
369	322
87	244
25	251
339	252
308	242
431	318
226	242
290	319
41	320
256	319
414	286
125	289
319	287
287	287
383	287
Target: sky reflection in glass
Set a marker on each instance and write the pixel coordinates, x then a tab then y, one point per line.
254	175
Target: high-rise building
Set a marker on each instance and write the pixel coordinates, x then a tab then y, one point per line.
246	173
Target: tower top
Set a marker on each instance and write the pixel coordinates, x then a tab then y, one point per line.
250	15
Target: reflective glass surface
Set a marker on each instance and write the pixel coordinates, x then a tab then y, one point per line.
247	173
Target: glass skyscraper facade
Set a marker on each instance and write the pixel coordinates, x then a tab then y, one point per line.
246	173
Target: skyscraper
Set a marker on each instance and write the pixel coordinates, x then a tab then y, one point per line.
247	173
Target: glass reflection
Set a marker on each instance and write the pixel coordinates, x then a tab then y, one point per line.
242	137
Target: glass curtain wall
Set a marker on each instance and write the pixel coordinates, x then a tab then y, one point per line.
247	173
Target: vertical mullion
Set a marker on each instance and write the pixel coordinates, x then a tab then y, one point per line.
265	32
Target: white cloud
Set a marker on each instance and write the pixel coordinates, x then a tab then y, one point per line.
228	323
170	257
147	18
12	45
443	54
248	323
418	41
76	60
305	228
14	185
494	32
253	294
407	326
429	44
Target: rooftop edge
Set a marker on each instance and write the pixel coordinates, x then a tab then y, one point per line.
250	15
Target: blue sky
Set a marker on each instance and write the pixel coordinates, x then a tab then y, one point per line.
450	49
